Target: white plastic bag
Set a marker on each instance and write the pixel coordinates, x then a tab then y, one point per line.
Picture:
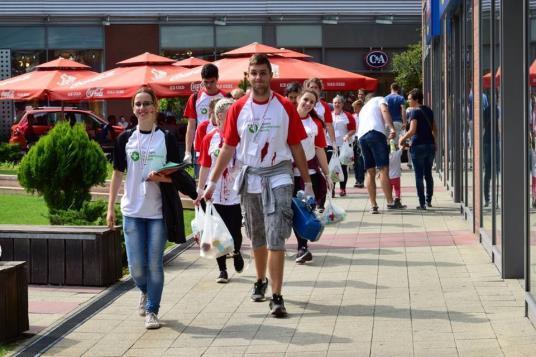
335	169
346	153
198	223
332	213
215	239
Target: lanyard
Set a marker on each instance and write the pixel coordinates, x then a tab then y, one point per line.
263	114
145	155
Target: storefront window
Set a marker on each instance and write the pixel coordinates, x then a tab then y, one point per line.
299	35
188	37
92	58
23	61
75	37
485	115
22	38
237	36
468	94
532	148
182	53
497	128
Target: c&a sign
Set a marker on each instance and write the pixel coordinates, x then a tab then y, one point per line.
376	59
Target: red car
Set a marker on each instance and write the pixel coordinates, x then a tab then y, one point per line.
36	122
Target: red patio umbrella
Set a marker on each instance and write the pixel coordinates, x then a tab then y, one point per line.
252	48
486	79
191	62
293	54
45	78
122	82
286	70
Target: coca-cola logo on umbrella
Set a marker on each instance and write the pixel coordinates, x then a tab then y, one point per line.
66	80
94	92
7	94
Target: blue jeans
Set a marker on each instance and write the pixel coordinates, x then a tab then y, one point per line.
145	240
359	164
422	157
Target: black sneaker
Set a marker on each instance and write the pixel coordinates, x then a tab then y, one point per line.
428	203
259	290
277	306
374	210
421	208
304	255
223	278
238	262
398	204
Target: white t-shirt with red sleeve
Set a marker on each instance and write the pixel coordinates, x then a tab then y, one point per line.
202	130
324	111
199	109
316	138
224	194
262	133
342	124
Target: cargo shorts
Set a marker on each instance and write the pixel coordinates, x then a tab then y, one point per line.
270	230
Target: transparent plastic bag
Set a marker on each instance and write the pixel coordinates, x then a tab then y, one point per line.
332	213
198	223
335	169
216	240
346	154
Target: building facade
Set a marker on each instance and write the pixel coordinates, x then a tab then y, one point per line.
99	34
480	80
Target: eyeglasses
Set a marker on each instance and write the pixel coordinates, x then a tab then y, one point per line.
143	104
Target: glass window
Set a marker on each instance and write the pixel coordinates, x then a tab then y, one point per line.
179	54
299	36
23	61
237	36
92	58
532	149
186	36
75	37
496	128
22	38
485	115
468	109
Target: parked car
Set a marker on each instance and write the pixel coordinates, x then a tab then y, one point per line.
36	122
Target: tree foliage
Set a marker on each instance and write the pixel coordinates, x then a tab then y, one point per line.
62	167
407	67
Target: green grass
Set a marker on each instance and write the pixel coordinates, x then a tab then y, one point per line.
4	349
8	168
22	209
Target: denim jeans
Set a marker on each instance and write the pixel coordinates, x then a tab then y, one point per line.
145	240
422	157
359	164
374	149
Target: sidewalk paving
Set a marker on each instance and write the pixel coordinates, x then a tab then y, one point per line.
402	283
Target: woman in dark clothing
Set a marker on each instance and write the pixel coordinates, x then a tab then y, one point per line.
422	131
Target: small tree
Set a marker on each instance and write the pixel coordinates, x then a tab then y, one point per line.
407	66
62	167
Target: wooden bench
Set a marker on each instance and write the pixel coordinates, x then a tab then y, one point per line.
13	300
64	255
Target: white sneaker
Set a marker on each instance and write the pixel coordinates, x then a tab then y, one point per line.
151	321
141	304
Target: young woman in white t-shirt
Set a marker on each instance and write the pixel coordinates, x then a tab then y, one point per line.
314	147
140	153
226	200
344	125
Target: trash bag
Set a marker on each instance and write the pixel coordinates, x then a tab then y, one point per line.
332	213
346	154
216	240
198	223
335	169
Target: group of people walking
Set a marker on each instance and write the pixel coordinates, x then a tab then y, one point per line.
252	153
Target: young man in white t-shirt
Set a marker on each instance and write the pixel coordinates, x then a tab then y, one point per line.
196	109
373	119
266	132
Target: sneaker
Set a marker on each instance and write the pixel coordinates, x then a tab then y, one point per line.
304	255
399	204
238	262
356	184
391	206
223	278
277	306
259	290
374	210
342	193
142	303
428	203
486	204
422	208
360	185
151	321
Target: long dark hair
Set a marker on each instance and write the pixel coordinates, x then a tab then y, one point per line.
313	112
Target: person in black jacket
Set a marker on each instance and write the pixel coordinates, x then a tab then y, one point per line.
150	205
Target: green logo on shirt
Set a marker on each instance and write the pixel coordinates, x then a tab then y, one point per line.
135	156
204	111
216	152
253	128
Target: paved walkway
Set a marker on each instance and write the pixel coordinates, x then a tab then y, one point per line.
402	283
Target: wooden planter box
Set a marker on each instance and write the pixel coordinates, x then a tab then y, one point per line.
13	300
65	255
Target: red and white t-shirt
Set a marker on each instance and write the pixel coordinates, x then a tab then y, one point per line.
262	133
316	138
224	194
202	130
342	124
324	111
199	109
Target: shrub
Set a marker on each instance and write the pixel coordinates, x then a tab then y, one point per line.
407	67
10	152
92	213
63	166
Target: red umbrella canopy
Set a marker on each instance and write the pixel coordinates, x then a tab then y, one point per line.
293	54
252	48
285	71
122	82
191	62
47	77
486	79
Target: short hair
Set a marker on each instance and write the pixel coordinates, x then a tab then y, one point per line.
369	96
314	80
339	98
147	90
239	92
417	95
212	104
395	87
293	87
260	59
222	105
361	91
209	70
356	103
